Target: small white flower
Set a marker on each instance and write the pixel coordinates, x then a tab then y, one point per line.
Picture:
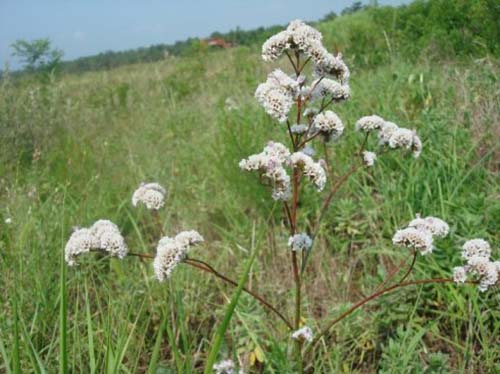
416	146
114	244
303	334
329	125
331	89
168	255
476	247
277	94
298	129
485	269
188	238
300	242
274	47
270	164
435	225
459	274
80	241
369	158
103	235
411	237
386	131
312	169
152	195
171	251
8	221
225	367
401	138
369	123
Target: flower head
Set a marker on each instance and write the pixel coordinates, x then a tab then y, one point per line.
152	195
276	95
270	164
171	251
303	334
476	247
80	241
312	169
401	138
103	235
435	225
329	125
477	253
460	274
369	123
485	269
300	242
274	47
369	158
411	237
386	131
226	367
325	87
416	146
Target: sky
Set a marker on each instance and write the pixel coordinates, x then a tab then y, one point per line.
87	27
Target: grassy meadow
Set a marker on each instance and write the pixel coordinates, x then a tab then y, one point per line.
74	147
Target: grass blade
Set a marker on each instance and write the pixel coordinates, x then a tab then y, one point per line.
219	334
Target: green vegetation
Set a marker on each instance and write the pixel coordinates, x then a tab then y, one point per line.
74	147
37	54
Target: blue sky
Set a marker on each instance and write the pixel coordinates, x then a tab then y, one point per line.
87	27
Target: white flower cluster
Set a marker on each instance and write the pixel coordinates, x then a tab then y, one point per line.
420	232
171	251
435	225
300	242
391	134
311	169
304	39
103	235
276	94
477	253
369	123
152	195
226	367
369	158
329	125
324	87
270	163
303	334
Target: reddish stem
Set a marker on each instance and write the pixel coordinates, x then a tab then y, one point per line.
374	295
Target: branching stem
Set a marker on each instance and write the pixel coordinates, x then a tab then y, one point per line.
375	295
202	265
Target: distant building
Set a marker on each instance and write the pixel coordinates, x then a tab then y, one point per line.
218	42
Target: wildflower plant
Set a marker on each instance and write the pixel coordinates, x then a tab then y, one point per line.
302	107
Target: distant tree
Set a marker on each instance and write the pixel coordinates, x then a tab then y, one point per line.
355	7
37	54
329	17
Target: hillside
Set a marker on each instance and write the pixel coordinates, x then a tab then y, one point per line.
75	146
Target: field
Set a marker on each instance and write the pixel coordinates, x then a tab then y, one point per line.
75	147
